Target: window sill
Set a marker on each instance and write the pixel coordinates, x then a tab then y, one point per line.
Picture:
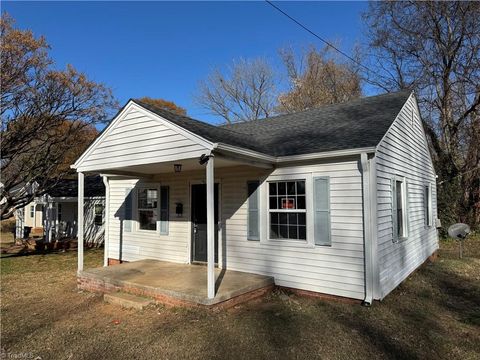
286	242
143	231
400	240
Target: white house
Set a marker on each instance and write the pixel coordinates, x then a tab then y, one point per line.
54	214
338	200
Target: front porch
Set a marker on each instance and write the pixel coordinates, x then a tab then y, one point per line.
175	284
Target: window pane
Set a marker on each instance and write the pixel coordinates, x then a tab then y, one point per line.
302	219
287	203
147	198
301	202
273	231
300	187
282	188
292	219
148	219
274	218
291	188
292	232
284	226
302	233
273	202
273	188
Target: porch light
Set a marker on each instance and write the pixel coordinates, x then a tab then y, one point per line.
177	167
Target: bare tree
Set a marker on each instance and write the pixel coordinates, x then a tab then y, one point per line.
48	117
245	91
434	48
316	78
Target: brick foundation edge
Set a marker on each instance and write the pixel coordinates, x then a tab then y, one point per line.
322	296
432	258
100	286
115	261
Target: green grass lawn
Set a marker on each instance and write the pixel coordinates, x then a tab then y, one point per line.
434	314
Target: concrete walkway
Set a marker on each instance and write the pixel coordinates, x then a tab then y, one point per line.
179	281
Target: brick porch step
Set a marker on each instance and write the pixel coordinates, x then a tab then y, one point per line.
128	301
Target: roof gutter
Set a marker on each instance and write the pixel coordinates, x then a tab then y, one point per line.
291	158
325	154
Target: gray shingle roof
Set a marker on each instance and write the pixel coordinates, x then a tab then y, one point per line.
355	124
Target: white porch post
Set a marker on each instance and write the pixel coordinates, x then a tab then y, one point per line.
106	215
80	229
49	220
210	228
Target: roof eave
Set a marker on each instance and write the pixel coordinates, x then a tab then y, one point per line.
325	154
292	158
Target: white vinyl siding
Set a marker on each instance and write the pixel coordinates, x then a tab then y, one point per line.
336	270
139	138
403	153
143	244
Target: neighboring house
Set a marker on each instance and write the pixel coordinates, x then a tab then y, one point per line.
54	214
338	200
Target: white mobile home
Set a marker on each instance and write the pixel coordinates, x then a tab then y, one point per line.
338	200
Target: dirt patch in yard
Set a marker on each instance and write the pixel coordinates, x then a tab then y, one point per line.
434	314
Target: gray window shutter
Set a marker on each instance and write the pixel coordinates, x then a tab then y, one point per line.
127	222
164	200
322	211
253	223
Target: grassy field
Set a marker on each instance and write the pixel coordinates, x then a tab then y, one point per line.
434	314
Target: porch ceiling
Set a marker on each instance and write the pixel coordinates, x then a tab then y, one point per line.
187	165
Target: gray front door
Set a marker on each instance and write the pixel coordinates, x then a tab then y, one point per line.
199	222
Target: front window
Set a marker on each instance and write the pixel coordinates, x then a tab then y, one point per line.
148	209
32	211
287	210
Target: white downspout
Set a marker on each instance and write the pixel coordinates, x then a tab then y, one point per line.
367	223
105	221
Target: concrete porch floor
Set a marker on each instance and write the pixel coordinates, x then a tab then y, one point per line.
170	281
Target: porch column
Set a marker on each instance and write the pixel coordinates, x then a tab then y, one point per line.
48	220
80	229
210	228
